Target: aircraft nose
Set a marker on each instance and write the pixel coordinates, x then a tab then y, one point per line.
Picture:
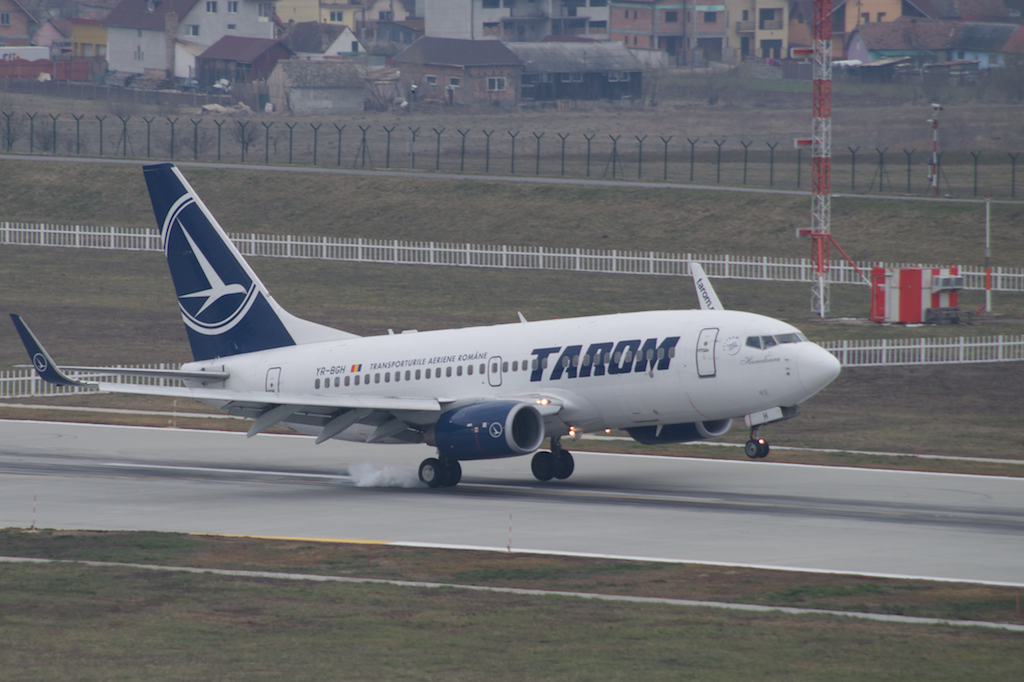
817	367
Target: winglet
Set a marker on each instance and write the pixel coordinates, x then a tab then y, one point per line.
705	292
41	360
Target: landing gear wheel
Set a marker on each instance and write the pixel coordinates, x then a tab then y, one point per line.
452	473
564	465
756	449
543	466
432	472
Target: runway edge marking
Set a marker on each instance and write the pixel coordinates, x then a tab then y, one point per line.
757	608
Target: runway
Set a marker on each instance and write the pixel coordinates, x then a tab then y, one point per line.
941	526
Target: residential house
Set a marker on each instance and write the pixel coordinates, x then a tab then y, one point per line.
578	71
94	9
299	11
984	43
316	87
314	41
669	26
161	38
460	71
88	38
240	60
17	24
926	40
757	29
54	33
516	20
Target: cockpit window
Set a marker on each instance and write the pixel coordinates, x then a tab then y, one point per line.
766	342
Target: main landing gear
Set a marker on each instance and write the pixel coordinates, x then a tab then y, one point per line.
555	464
756	447
440	473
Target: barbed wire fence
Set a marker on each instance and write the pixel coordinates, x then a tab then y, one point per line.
724	160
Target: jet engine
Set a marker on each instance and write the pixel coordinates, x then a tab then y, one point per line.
680	433
502	428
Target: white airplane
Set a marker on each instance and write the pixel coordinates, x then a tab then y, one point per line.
476	393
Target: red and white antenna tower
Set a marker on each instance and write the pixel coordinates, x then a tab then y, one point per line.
821	155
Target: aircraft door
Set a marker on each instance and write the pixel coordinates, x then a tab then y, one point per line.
706	352
494	371
273	380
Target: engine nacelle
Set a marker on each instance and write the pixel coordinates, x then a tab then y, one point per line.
503	428
680	433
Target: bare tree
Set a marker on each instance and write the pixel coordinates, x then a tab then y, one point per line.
245	135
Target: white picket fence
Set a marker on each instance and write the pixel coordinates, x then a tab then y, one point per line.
931	351
24	383
395	251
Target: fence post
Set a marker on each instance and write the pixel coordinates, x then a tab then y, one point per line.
1013	173
588	139
10	142
291	139
853	167
746	146
437	154
412	146
462	153
78	133
220	125
537	171
562	138
363	146
32	133
387	153
614	160
100	119
909	154
172	135
266	141
195	137
55	131
640	157
771	164
665	141
513	136
975	156
692	144
487	151
316	131
242	142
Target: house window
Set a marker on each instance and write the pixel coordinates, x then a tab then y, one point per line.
746	15
232	6
598	26
267	10
710	17
496	84
138	54
431	80
880	17
454	82
337	16
492	4
386	15
671	17
866	18
211	6
598	3
192	30
508	3
5	18
232	27
355	46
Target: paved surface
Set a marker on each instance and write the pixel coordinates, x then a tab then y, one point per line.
942	526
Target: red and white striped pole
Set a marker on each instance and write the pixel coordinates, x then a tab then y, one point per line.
934	121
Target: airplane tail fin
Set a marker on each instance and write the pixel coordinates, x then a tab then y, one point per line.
226	308
705	292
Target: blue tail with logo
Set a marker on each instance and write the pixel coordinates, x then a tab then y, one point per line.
226	308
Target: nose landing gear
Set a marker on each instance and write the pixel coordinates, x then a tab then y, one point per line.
756	447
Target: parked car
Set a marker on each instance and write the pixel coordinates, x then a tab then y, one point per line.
189	85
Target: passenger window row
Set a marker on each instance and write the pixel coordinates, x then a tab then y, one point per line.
418	375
